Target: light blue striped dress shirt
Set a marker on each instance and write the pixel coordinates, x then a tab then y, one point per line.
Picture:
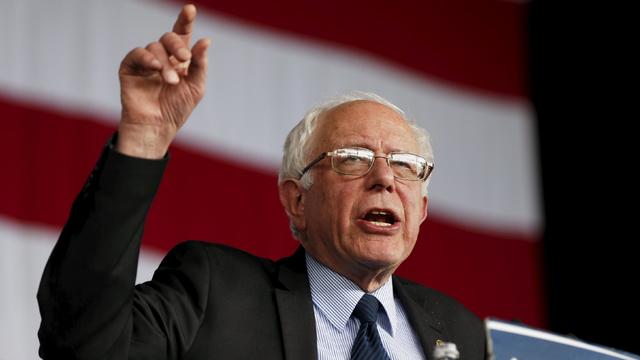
334	298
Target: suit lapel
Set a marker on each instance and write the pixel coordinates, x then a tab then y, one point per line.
295	308
428	328
297	320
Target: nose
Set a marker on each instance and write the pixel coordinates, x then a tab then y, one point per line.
381	175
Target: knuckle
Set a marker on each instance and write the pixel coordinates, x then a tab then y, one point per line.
135	52
168	36
151	45
156	47
148	57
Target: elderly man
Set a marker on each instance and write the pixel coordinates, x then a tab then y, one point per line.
354	189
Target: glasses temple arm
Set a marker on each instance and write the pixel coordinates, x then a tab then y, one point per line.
315	161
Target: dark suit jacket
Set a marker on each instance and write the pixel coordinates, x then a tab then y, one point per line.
205	301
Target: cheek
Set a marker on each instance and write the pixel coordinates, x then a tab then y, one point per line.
338	210
414	210
330	210
342	203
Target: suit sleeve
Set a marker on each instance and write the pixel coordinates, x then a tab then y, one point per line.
89	306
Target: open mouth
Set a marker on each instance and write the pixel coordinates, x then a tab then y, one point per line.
380	217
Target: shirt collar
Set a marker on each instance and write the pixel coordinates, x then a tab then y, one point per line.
336	296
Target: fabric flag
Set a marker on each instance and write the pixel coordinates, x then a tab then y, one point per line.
457	67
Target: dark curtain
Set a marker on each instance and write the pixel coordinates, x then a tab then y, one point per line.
588	156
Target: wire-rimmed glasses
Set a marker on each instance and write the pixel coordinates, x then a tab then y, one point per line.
359	161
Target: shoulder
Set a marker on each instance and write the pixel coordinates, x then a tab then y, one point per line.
432	299
216	255
201	259
457	323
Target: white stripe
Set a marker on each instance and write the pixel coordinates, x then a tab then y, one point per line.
66	54
519	330
24	250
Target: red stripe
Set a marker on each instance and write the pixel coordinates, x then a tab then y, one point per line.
477	44
494	274
47	156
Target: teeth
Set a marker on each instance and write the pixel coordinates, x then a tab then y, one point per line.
379	223
379	212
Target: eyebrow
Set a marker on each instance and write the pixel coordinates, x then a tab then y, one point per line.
365	146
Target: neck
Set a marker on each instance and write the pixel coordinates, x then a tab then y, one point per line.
369	283
367	278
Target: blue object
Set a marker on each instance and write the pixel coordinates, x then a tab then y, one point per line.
508	341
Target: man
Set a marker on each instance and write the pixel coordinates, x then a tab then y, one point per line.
355	194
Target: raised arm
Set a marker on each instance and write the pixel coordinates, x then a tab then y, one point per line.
88	304
160	86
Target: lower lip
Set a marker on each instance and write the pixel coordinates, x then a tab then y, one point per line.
371	228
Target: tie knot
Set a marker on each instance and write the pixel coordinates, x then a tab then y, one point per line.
367	309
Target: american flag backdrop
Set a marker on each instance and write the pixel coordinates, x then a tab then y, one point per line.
459	68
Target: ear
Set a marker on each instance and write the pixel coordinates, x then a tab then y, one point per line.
425	202
292	196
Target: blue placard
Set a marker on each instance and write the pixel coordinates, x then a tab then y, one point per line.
507	341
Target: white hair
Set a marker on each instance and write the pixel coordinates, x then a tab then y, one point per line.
296	147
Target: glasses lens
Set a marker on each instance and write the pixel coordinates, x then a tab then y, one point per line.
352	161
408	166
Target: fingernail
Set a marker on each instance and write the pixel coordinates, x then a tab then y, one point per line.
156	64
172	77
184	54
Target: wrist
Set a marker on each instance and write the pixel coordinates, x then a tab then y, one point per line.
143	140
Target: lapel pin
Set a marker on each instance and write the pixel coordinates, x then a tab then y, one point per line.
445	351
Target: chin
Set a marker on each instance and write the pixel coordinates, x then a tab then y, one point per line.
382	259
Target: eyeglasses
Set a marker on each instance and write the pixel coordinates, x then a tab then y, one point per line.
359	161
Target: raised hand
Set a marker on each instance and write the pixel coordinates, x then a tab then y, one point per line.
160	85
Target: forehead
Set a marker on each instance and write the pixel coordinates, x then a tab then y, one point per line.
363	123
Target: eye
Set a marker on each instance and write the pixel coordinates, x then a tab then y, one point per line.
352	158
352	161
354	154
404	164
407	166
403	160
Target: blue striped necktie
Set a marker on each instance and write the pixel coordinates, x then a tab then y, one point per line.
367	344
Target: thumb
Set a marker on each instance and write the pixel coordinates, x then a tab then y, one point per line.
197	73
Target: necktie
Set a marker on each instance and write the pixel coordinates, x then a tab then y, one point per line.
367	344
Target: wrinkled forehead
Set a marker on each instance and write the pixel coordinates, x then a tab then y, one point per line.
363	123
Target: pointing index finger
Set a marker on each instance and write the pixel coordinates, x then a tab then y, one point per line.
186	18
